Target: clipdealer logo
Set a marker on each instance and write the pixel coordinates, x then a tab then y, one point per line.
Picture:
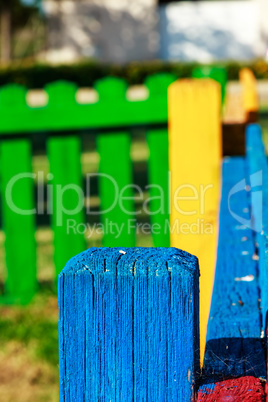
192	205
253	218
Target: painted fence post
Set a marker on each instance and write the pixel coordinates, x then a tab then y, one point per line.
115	171
18	215
235	364
157	141
195	163
257	168
66	200
234	346
129	325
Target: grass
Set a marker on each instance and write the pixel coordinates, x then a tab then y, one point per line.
28	350
29	335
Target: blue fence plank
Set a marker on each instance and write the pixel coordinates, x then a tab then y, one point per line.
258	177
234	346
129	325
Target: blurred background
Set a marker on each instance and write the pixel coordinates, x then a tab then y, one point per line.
122	31
82	41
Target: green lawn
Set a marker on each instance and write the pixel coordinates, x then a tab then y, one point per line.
29	351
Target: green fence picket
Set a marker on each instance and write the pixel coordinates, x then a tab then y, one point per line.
157	141
20	247
218	74
63	115
66	197
115	172
18	215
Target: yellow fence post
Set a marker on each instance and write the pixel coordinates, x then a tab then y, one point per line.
195	167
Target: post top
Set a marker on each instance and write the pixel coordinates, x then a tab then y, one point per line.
156	261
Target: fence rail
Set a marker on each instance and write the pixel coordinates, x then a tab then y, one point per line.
62	121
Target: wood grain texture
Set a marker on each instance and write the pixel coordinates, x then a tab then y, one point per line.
128	325
234	346
195	164
258	177
243	389
258	174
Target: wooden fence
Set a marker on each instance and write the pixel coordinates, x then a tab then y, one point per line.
129	317
235	347
126	321
60	125
62	120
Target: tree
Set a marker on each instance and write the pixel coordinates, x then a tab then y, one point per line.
14	14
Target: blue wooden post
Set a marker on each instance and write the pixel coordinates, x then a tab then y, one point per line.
234	347
129	325
238	315
258	178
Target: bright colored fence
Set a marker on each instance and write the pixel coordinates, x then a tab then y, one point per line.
195	164
62	122
60	126
120	308
128	325
235	348
129	316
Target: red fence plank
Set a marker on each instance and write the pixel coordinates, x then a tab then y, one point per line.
242	389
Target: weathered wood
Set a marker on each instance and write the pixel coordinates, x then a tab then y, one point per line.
234	346
128	325
258	175
240	389
194	128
